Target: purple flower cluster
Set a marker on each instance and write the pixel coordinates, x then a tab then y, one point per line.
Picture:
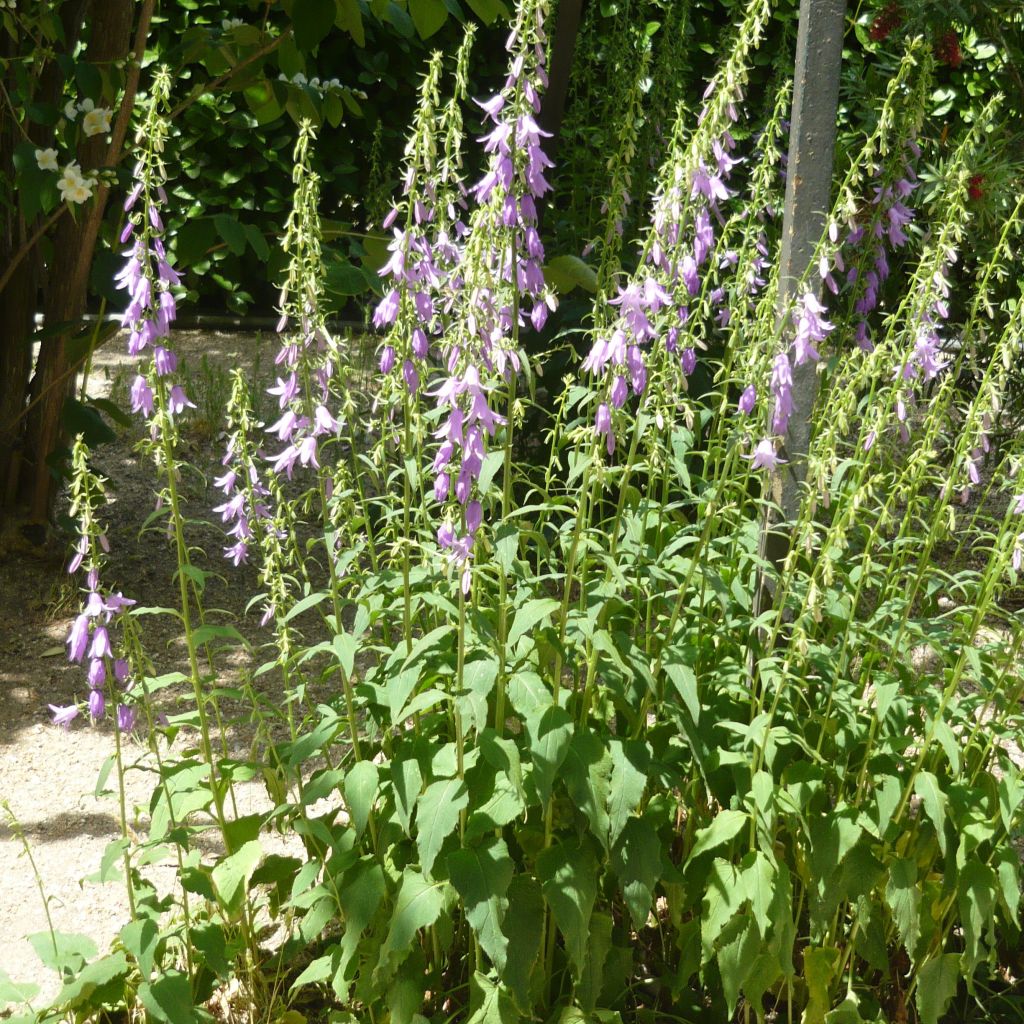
810	329
302	396
148	278
89	640
676	258
237	509
497	287
884	234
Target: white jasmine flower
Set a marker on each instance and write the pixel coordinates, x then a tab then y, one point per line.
46	159
97	122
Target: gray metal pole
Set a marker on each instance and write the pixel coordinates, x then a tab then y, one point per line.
812	140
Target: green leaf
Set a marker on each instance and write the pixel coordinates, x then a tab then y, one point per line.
936	985
437	814
550	730
904	899
231	876
140	938
312	20
360	897
523	926
726	826
723	898
533	612
169	998
630	764
564	273
819	972
97	975
737	952
684	680
636	860
428	16
926	786
62	952
758	880
15	992
231	232
568	877
418	906
587	770
79	418
406	782
588	992
481	876
349	18
360	791
488	11
494	1007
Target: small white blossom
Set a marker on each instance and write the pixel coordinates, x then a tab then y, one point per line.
71	110
97	122
46	159
229	23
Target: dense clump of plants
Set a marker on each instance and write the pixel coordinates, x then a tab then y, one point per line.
588	754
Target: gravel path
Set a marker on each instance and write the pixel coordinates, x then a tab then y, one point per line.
48	775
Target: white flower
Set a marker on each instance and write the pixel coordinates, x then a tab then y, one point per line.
71	110
86	105
229	23
78	193
46	159
97	122
299	78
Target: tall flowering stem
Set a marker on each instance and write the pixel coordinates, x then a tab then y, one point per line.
157	393
498	289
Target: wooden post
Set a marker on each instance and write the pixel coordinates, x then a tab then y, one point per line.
812	140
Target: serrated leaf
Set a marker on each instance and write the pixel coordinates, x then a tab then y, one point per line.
926	786
97	975
587	772
481	876
360	791
360	897
494	1005
15	992
418	905
530	615
437	814
936	985
550	731
62	952
523	926
169	998
406	782
568	877
636	860
564	273
630	764
726	826
231	876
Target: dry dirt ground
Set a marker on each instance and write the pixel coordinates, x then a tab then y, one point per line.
48	775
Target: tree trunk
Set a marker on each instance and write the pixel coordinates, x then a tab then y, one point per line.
73	247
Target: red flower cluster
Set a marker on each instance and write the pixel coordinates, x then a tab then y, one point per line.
885	22
947	49
974	189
